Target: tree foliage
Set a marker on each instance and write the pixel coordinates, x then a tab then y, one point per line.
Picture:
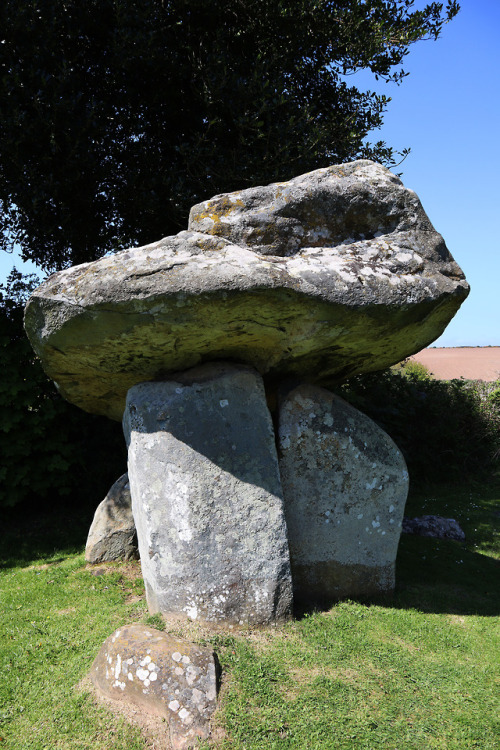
50	449
119	115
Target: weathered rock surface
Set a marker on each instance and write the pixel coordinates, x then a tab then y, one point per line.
337	206
165	676
345	485
334	273
112	533
207	497
434	526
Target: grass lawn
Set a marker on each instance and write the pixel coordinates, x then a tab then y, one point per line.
418	671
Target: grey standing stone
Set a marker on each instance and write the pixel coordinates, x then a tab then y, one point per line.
112	533
345	485
165	676
207	497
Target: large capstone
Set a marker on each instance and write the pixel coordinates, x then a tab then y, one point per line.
345	485
334	273
207	499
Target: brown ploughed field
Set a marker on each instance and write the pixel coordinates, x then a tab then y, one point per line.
470	362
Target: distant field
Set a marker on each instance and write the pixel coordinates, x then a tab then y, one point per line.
471	362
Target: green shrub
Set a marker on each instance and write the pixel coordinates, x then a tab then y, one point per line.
416	370
494	396
50	449
445	429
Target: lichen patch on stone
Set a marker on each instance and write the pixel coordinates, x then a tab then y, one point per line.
184	696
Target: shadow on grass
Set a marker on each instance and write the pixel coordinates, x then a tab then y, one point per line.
475	505
435	576
30	533
441	576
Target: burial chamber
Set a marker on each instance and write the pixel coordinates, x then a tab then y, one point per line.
284	288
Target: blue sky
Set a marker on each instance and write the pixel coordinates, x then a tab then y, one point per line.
448	111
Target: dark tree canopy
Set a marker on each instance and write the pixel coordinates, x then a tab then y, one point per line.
118	115
50	450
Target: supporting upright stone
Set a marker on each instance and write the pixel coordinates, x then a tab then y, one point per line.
112	533
345	485
207	498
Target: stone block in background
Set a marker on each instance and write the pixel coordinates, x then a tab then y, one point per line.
112	534
434	526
